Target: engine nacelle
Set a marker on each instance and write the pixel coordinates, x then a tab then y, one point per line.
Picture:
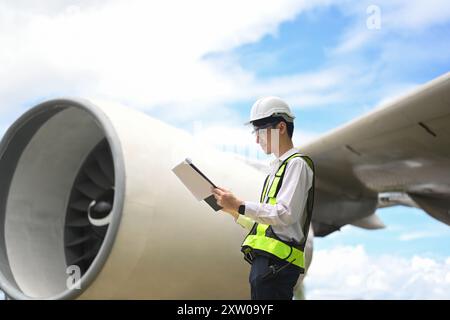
88	190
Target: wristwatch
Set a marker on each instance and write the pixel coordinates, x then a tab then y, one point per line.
241	209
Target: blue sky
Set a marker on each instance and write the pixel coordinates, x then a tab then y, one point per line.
205	70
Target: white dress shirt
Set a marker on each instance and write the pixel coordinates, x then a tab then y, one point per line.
288	215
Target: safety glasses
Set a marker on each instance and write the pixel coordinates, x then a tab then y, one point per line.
256	130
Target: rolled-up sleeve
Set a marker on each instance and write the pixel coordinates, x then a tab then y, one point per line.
291	198
245	222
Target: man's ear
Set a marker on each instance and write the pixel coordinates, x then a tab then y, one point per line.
282	127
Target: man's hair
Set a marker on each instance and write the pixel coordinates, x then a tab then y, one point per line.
275	120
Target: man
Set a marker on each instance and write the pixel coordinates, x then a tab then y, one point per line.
280	222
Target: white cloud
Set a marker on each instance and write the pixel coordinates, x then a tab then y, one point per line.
308	89
349	272
417	235
239	140
353	40
155	56
392	93
400	17
152	56
425	232
415	15
147	55
2	131
382	73
143	52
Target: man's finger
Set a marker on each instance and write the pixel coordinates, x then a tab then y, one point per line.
218	191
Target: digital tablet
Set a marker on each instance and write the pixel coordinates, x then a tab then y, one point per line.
196	182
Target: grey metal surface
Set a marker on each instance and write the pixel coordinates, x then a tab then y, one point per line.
39	156
37	204
13	143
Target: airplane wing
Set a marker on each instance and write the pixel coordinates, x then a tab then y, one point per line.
397	154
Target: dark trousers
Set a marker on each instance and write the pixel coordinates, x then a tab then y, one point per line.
267	286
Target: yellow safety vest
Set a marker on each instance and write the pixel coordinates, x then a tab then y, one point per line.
263	240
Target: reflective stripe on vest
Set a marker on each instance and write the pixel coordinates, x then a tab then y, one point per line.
262	239
281	250
276	182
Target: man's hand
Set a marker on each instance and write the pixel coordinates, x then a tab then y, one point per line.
227	201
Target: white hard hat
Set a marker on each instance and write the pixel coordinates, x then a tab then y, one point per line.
270	106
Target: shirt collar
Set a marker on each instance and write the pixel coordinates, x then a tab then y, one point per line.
284	156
